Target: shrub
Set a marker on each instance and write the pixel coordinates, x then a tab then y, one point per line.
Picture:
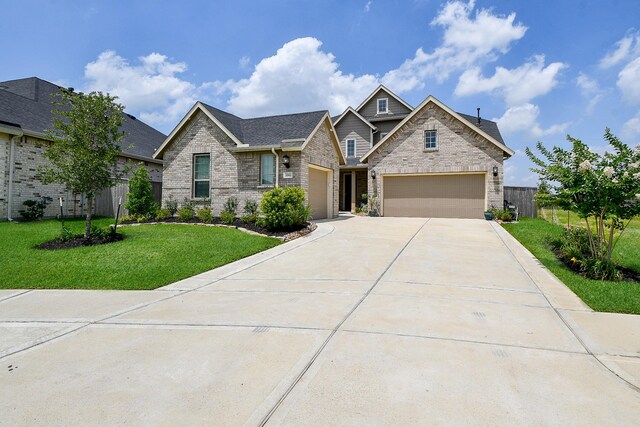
284	208
186	213
163	214
250	207
34	209
250	219
140	197
231	205
188	203
171	205
66	234
574	248
227	217
205	215
99	233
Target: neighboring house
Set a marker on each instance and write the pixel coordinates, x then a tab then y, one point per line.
26	112
424	162
212	155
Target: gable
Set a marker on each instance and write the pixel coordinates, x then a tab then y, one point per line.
395	105
432	102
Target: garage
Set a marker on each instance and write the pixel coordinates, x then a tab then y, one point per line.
436	196
319	191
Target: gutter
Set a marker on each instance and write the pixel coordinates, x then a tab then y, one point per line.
273	150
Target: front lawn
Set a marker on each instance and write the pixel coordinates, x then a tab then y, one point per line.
150	256
617	297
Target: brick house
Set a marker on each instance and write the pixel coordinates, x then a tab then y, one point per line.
26	111
427	161
212	155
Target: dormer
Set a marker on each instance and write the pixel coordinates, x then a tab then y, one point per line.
383	105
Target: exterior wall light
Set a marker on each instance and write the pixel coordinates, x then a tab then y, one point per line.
286	162
373	174
495	171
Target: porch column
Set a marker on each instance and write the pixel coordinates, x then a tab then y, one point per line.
353	191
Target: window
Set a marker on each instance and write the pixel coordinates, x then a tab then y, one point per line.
201	175
351	147
267	169
430	139
382	105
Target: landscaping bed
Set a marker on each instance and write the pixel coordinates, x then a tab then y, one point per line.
601	295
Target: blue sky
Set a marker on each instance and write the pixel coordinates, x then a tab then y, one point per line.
541	68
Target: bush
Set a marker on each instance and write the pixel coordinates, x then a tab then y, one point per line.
34	209
251	207
163	214
574	249
227	217
231	205
284	208
250	219
140	197
205	215
99	233
186	213
171	205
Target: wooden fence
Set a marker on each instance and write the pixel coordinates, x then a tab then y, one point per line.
523	198
106	203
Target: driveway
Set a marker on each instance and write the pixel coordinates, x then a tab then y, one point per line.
367	321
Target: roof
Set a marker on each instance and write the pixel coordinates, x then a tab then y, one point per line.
355	113
470	121
270	130
286	131
28	104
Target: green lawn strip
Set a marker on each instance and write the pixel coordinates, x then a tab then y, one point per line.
617	297
150	256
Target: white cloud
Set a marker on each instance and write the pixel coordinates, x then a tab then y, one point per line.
151	89
299	77
524	118
244	61
469	39
629	81
518	85
626	47
631	130
367	6
590	90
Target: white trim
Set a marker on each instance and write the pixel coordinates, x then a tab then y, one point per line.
432	99
349	109
346	146
197	106
275	171
393	95
329	173
193	175
424	140
386	110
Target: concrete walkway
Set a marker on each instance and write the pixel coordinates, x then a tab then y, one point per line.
367	321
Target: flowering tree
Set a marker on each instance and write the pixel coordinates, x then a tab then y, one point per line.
602	189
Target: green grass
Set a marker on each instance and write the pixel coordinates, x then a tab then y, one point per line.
150	256
617	297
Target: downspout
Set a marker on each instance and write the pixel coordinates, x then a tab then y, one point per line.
12	150
273	150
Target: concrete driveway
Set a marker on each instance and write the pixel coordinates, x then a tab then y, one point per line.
367	321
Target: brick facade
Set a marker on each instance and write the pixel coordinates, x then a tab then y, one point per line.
234	173
27	157
459	150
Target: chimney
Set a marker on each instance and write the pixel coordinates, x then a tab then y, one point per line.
479	116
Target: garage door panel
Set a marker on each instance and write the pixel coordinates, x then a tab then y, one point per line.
318	193
440	196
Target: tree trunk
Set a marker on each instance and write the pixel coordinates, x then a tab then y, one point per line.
87	229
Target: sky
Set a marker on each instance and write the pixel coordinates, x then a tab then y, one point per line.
541	69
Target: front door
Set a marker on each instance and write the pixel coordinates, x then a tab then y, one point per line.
347	192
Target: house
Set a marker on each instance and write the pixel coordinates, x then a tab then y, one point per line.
212	155
26	112
428	161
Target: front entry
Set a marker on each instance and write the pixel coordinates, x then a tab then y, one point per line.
346	202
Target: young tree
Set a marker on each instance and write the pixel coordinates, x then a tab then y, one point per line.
602	189
84	149
140	196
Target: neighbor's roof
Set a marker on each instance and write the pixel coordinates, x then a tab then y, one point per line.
28	105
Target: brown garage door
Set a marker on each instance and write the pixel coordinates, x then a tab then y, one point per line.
436	196
318	193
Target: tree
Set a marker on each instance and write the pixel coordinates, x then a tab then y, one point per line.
140	197
602	189
84	149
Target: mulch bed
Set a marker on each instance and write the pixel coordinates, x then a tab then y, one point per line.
78	241
628	275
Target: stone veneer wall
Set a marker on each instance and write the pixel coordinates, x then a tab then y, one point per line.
459	150
28	157
236	174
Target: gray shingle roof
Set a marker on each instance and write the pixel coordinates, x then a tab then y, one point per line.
271	130
489	127
28	103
